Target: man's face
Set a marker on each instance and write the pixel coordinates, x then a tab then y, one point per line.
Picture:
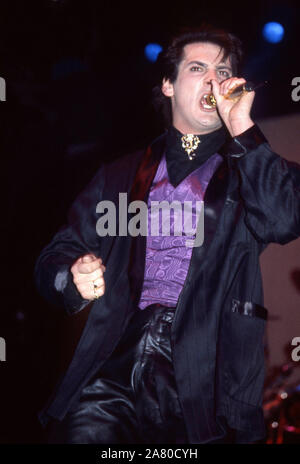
202	61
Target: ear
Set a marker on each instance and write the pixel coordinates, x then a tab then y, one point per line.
167	88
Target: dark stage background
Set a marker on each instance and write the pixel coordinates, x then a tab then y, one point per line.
78	94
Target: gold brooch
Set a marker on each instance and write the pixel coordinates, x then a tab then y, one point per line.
190	143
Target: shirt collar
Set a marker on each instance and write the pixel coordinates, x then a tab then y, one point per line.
178	163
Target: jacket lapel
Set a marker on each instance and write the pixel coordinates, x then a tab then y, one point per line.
214	200
147	169
140	191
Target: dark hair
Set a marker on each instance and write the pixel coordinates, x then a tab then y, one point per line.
169	59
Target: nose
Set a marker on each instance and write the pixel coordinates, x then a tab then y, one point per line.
211	74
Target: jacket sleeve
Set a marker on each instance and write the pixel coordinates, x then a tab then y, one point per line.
269	187
52	275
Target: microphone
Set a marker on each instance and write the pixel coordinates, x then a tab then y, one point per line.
235	93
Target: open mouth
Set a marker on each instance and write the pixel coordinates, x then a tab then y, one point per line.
204	105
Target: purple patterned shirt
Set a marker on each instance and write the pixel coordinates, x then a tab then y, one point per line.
168	257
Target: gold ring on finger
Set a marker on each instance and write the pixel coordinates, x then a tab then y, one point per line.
95	293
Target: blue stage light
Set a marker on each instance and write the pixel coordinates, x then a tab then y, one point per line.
152	50
273	32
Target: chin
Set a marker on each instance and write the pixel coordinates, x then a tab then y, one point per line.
207	119
211	124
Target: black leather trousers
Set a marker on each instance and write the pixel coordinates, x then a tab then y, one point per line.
133	397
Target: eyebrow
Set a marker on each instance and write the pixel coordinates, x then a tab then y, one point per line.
200	63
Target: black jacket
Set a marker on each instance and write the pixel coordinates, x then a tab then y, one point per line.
217	333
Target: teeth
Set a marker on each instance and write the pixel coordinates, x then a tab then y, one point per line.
204	104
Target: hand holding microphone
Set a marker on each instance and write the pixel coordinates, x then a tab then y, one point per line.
233	101
235	92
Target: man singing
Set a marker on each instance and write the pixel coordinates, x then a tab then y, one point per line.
172	351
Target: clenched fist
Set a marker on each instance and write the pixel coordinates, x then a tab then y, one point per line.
88	276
